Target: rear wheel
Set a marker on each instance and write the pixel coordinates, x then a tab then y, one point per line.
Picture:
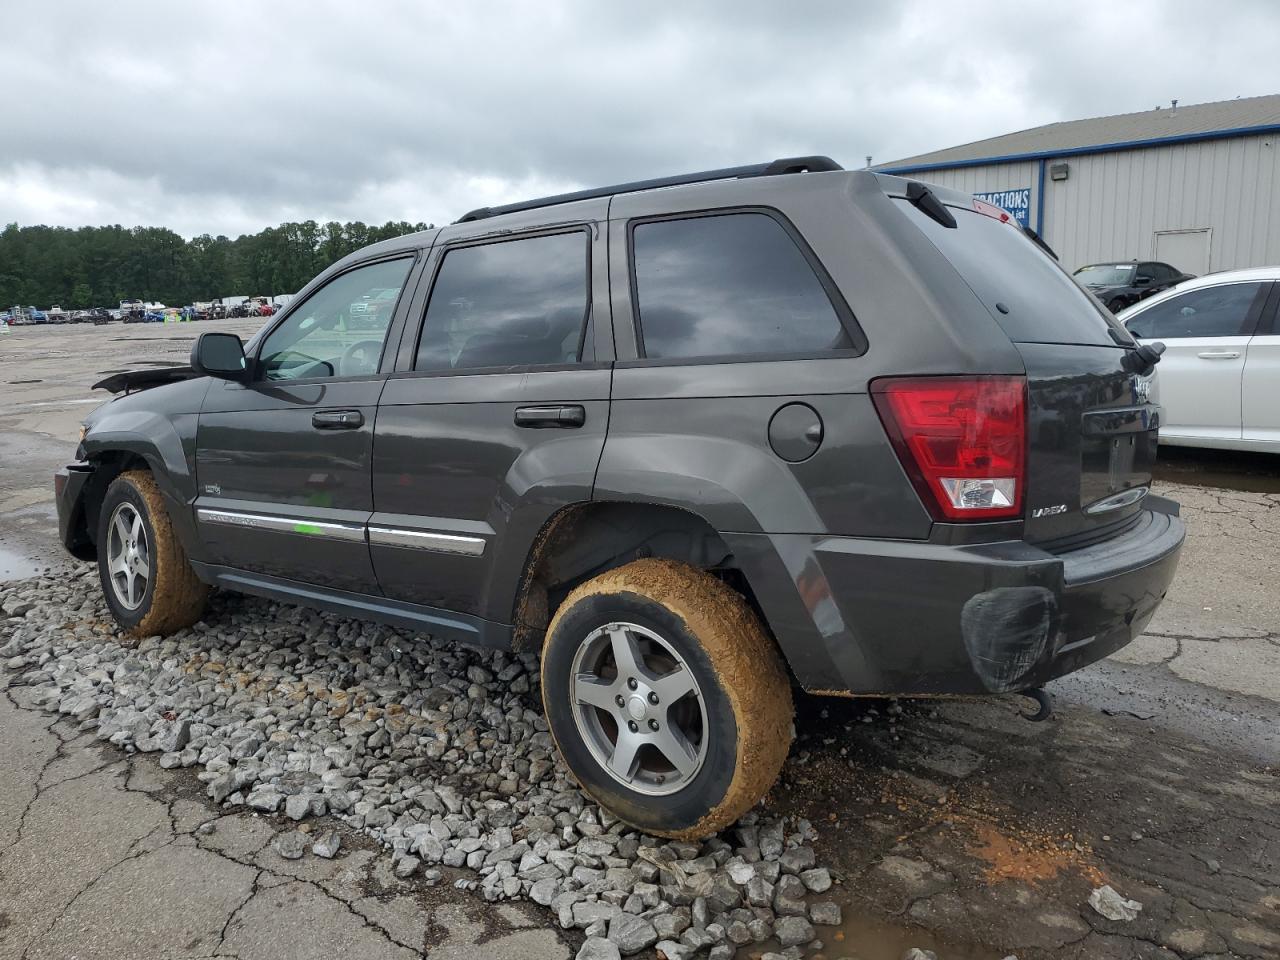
667	699
1116	305
146	578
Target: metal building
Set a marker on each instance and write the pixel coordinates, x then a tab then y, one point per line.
1195	186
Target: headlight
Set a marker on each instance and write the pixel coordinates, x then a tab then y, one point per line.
84	430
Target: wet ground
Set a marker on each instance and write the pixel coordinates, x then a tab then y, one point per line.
956	825
1220	469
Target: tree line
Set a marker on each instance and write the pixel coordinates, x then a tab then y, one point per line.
83	267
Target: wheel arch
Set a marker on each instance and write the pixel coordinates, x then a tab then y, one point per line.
151	442
585	539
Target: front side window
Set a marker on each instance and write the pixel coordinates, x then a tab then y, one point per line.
511	303
729	285
1208	312
339	330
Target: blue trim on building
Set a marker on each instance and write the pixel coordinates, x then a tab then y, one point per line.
1079	151
1040	197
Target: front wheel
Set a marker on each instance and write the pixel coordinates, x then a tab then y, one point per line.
666	698
1116	305
146	579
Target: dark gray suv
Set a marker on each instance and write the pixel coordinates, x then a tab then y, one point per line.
695	440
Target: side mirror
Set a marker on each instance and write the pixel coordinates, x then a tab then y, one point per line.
1142	280
219	355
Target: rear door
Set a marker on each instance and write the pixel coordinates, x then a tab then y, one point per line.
1260	389
1206	333
497	413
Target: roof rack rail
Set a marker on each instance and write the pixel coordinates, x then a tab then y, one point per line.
782	166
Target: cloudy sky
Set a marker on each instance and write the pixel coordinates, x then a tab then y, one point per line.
225	117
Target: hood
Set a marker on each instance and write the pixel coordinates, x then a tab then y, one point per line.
179	395
133	380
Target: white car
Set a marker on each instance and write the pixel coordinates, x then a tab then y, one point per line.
1219	379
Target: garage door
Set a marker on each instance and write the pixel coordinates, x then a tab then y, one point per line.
1188	250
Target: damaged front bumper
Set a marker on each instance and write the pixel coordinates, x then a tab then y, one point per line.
925	618
73	524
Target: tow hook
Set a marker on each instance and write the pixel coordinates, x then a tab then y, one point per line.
1043	701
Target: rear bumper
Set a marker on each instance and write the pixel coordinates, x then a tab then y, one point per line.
920	618
73	528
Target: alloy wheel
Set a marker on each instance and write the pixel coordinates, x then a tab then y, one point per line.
639	708
128	556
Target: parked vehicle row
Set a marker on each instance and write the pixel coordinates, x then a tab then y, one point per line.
139	311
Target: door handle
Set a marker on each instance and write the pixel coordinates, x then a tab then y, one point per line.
1219	354
563	415
337	420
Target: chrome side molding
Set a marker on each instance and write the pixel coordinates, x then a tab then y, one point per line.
260	521
358	532
426	540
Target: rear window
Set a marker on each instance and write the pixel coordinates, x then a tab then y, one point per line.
1003	266
509	303
729	285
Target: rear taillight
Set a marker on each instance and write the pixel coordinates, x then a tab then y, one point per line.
962	440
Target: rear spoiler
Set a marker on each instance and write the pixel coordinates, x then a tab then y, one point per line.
131	381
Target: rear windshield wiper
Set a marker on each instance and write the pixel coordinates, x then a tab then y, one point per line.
922	198
1142	359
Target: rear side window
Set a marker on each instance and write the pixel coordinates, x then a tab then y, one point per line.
1221	311
1004	267
729	285
513	303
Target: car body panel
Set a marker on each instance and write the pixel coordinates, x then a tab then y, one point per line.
993	618
159	426
449	459
260	457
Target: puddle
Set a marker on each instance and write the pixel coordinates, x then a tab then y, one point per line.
17	566
1220	469
868	938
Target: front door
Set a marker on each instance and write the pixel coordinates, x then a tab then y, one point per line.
1206	332
496	416
283	461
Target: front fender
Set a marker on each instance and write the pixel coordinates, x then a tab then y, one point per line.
167	444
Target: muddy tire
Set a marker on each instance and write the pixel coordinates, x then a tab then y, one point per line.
666	698
146	578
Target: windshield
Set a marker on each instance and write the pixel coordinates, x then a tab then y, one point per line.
1106	274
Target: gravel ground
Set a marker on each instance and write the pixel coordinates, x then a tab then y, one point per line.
439	753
